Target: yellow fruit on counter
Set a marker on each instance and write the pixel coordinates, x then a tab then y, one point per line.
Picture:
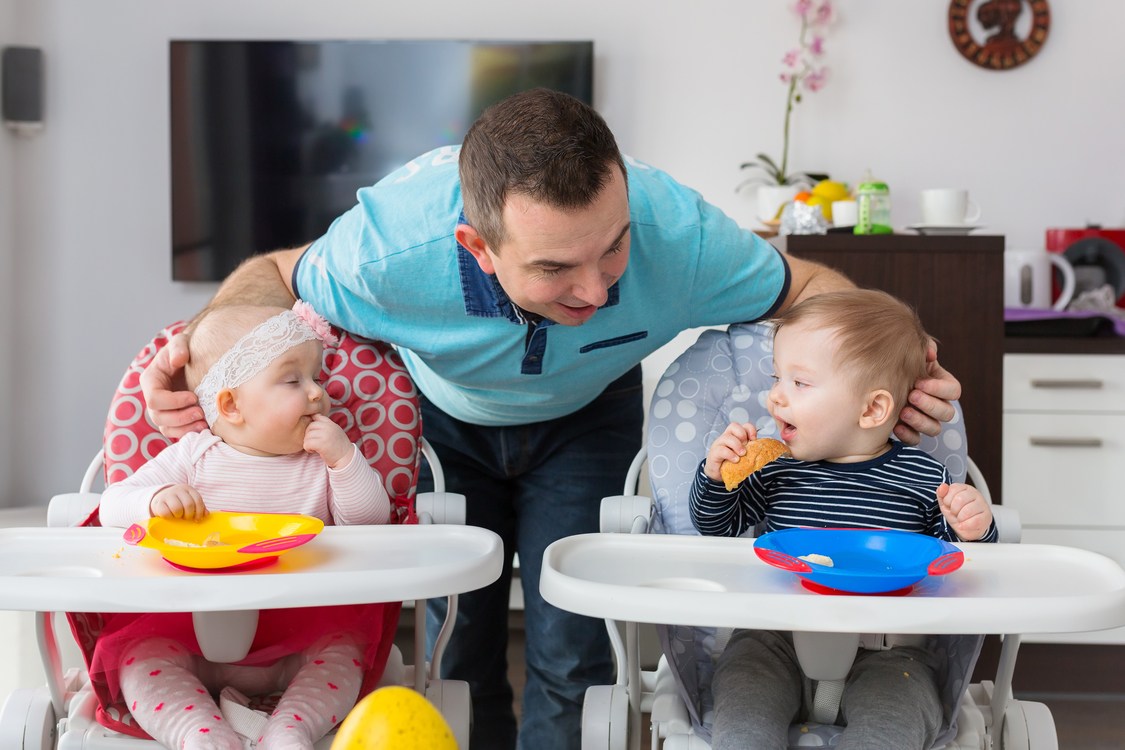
824	203
394	718
831	190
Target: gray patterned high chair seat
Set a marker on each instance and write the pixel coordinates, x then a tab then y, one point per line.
725	377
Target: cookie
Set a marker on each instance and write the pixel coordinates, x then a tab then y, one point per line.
758	453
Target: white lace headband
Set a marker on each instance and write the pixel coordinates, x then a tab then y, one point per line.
256	350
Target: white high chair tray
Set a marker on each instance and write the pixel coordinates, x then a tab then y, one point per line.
94	570
720	582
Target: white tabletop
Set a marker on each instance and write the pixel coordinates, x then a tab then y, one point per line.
720	582
93	569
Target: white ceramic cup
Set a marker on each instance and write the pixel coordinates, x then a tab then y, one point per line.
844	213
948	207
1028	276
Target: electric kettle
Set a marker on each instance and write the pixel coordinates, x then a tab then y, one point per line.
1028	279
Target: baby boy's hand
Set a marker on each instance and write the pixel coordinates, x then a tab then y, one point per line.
965	509
730	446
178	501
328	439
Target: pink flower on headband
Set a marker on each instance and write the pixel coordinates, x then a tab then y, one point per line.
316	322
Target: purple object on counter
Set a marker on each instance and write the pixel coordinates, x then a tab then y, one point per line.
1019	321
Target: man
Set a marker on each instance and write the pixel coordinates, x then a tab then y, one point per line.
523	278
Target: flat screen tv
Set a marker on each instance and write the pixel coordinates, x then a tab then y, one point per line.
271	139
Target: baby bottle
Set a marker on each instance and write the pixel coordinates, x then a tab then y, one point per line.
873	203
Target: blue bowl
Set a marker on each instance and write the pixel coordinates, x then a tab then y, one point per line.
863	561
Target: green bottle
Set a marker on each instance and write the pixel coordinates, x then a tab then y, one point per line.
873	203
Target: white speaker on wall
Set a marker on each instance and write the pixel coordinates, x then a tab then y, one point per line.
21	80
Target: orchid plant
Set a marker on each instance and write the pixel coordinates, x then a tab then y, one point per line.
802	72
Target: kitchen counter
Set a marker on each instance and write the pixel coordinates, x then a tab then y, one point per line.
1068	345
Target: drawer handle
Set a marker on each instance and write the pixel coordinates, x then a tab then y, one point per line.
1088	383
1057	442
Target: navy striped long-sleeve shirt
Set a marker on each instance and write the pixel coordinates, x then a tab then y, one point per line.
897	490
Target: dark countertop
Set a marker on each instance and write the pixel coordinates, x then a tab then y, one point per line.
1070	345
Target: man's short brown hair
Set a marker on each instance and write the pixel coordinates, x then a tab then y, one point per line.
540	143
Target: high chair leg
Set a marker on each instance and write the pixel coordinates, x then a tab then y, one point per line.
1005	670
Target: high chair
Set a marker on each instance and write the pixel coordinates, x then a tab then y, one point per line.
425	551
696	589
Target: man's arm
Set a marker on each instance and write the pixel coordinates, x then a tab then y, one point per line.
261	280
807	278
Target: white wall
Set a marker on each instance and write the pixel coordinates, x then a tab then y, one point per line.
690	87
9	33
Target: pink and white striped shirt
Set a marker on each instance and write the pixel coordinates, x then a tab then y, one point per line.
234	481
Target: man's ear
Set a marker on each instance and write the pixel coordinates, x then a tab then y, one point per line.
228	406
878	408
469	239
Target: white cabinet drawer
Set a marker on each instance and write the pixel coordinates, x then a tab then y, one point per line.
1070	382
1062	470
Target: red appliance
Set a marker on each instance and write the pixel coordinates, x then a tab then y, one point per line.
1098	256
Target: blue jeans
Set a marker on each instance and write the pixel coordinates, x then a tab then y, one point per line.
532	484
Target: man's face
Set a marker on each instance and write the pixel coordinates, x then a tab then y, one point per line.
560	264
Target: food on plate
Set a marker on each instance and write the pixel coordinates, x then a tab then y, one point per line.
212	540
758	453
812	557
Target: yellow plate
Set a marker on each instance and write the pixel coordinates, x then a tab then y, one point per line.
223	540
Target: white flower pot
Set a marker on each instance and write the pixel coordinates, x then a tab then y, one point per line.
771	198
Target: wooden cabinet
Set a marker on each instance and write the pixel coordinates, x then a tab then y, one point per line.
957	286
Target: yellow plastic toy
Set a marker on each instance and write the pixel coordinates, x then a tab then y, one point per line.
394	718
223	541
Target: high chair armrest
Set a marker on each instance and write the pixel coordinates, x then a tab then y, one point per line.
1007	523
440	507
71	508
626	514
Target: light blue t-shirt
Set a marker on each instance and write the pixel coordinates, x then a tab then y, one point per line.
391	269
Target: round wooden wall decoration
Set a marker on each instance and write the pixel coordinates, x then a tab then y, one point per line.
1002	47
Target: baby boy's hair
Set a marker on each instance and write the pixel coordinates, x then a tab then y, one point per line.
216	331
880	340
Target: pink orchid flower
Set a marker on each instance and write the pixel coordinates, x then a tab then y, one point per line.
816	79
824	14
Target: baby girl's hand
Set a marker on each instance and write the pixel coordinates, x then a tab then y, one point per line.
178	501
965	509
328	439
730	446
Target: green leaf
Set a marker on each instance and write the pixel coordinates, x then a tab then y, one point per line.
769	162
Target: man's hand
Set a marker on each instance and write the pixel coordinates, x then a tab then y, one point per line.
171	407
328	439
929	403
261	280
178	501
965	510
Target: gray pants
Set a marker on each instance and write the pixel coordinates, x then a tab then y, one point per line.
891	699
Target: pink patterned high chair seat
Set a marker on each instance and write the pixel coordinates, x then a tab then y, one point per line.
375	401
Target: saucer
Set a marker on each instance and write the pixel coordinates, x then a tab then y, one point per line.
946	230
